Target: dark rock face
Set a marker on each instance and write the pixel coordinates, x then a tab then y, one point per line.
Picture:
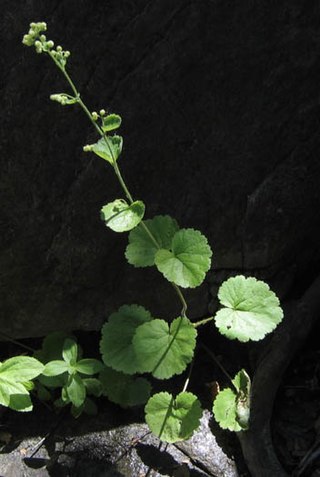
220	107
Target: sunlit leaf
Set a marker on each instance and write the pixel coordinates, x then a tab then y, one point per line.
141	249
251	309
173	419
122	217
116	343
188	261
163	350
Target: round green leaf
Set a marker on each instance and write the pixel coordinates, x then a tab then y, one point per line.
141	249
188	261
164	351
120	216
111	122
173	419
116	343
124	389
251	309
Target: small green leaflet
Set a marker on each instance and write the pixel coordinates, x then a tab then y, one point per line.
173	419
251	309
124	389
164	351
88	366
116	343
108	147
141	249
55	367
122	217
231	408
64	99
76	390
70	351
13	373
110	122
188	261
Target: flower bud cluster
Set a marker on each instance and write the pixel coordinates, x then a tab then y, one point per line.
35	37
88	148
95	116
33	34
61	55
60	98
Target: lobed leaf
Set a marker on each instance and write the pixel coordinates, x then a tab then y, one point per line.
141	249
116	343
124	389
173	419
119	216
163	350
188	261
251	309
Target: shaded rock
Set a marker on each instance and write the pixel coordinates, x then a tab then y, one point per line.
220	106
124	451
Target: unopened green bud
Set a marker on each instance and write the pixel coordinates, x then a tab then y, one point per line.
32	25
67	54
43	37
102	112
50	44
94	115
59	48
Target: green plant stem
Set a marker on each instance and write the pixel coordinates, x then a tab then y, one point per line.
186	384
212	355
18	343
115	168
203	322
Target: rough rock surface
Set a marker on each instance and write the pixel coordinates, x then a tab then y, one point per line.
220	107
126	451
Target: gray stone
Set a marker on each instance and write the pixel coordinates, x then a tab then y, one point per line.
125	451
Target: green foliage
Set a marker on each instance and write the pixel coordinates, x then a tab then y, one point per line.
188	261
143	246
251	309
111	122
74	386
173	419
117	334
133	341
122	217
163	350
124	389
231	407
108	147
14	376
